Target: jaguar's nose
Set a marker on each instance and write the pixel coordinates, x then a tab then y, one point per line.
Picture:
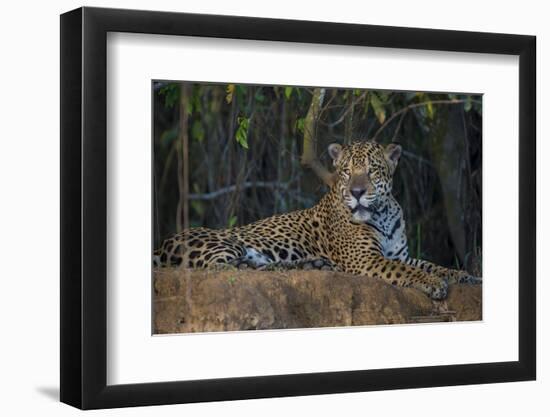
357	192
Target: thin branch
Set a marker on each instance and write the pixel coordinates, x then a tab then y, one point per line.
413	106
232	188
182	212
345	113
167	165
396	131
417	158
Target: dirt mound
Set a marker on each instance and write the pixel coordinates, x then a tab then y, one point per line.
206	301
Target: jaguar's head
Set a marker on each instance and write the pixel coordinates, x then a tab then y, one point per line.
364	173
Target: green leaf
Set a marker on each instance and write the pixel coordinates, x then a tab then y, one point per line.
378	108
171	93
195	104
288	92
259	97
468	104
242	131
232	221
430	110
230	90
168	136
197	131
300	123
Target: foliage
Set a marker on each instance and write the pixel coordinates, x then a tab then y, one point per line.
242	131
245	143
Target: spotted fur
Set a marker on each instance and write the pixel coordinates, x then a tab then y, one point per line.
357	227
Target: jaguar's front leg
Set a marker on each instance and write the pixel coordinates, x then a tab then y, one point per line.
253	259
400	274
453	276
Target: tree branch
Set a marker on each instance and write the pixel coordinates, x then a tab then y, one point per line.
182	212
412	106
350	108
309	154
232	188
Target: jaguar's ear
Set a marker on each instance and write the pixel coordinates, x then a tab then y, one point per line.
334	150
393	153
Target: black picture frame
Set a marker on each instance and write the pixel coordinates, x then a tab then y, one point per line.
84	207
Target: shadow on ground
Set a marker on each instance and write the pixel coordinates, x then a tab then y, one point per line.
49	392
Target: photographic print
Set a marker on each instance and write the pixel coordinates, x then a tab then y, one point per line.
291	207
291	212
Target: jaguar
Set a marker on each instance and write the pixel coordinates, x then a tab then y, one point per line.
357	227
